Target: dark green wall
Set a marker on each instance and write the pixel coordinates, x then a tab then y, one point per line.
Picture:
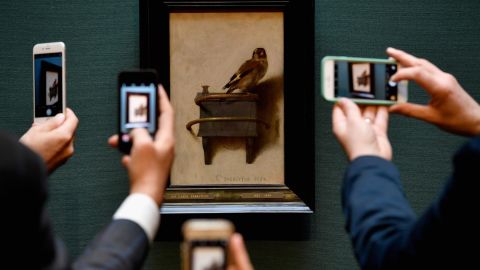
102	39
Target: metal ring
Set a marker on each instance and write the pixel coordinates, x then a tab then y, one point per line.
225	119
226	97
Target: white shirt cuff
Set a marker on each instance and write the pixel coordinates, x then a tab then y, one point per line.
141	209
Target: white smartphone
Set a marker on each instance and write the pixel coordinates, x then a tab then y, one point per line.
205	244
363	80
49	80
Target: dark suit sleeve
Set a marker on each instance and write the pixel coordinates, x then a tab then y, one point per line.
376	209
26	228
121	245
384	231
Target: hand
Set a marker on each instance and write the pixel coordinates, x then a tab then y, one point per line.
238	255
53	139
150	160
361	132
450	106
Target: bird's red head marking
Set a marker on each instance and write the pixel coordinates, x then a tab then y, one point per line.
259	53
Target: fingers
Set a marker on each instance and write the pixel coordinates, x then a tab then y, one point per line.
337	114
71	121
370	112
52	123
113	141
166	118
420	66
140	136
61	157
381	118
416	73
338	120
421	112
238	253
378	115
408	60
66	131
126	161
350	109
408	73
405	59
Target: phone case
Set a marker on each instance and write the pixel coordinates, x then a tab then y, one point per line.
211	234
51	47
356	59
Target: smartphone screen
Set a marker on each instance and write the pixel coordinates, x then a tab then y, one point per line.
138	105
365	80
208	255
48	84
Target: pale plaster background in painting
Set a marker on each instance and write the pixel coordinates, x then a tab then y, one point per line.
206	49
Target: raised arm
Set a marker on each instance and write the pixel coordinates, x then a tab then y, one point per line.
376	211
384	231
124	243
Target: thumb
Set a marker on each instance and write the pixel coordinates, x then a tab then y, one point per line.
421	112
140	136
238	253
53	122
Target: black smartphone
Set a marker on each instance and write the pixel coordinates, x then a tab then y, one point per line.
138	106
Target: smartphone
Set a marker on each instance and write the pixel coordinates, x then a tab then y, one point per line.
363	80
205	243
49	83
137	105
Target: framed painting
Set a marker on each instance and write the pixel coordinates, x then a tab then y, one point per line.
240	77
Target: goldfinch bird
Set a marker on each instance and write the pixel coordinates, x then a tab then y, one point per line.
249	73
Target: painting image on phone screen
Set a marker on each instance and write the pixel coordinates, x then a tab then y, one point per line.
137	105
361	77
137	108
51	87
364	80
48	84
208	258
